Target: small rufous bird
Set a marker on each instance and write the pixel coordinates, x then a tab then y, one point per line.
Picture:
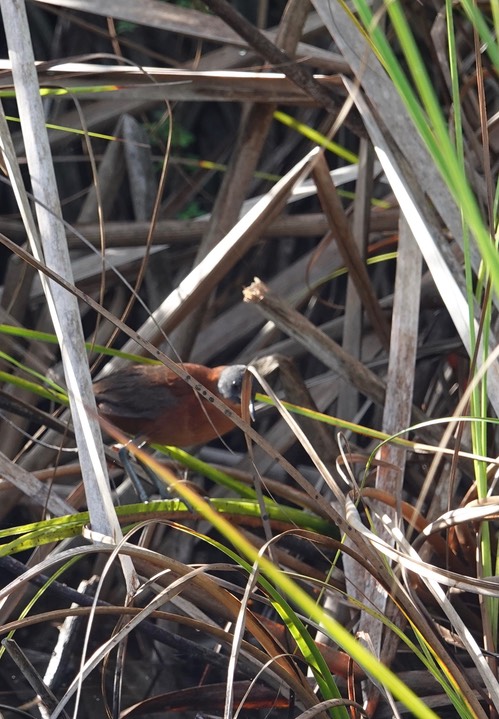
152	402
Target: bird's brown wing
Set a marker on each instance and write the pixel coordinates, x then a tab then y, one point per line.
140	391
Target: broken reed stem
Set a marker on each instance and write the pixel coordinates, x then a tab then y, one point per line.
325	349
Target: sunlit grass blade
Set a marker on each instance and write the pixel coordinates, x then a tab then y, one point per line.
28	536
429	120
316	137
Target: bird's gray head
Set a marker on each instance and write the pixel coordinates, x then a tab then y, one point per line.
230	382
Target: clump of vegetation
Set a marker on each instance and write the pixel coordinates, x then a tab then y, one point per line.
308	189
